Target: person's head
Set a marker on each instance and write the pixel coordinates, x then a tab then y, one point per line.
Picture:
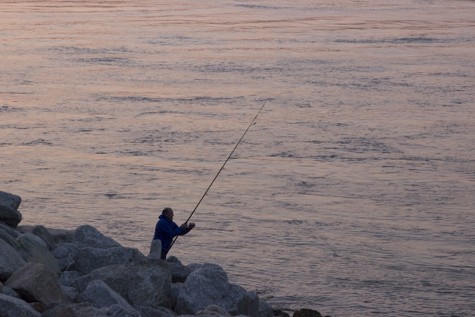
168	212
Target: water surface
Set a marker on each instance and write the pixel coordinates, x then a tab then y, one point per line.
353	193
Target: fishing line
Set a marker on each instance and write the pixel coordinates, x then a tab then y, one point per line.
222	167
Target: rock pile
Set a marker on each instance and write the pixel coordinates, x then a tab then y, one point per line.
59	273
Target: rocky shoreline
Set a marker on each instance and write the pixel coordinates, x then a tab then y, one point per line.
66	273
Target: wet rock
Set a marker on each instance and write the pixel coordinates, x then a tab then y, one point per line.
37	251
14	307
144	283
10	260
89	259
89	236
208	285
304	312
10	200
99	294
36	283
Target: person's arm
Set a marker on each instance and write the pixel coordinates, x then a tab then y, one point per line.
185	228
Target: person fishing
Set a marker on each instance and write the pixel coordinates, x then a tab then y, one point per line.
166	230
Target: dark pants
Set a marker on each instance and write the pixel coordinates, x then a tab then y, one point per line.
164	255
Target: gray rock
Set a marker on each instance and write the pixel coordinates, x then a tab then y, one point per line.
89	236
209	285
148	311
10	216
32	280
11	232
1	287
14	307
89	259
10	260
99	294
44	234
304	312
265	309
10	292
144	283
155	250
70	292
65	254
61	235
10	200
37	252
86	310
179	271
68	278
214	310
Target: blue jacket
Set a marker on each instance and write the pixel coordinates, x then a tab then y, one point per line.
166	230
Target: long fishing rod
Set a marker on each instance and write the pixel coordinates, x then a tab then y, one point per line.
222	167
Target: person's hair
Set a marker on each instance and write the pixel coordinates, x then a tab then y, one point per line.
166	211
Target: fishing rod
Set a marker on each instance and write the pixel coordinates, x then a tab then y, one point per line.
222	167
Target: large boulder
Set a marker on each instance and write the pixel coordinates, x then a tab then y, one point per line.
89	236
10	260
144	283
37	251
37	283
89	259
100	295
208	285
10	200
14	307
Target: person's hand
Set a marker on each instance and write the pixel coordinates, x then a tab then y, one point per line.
191	225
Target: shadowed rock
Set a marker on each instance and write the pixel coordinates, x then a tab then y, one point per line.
148	311
14	307
86	310
10	260
146	283
37	251
36	283
10	200
304	312
10	216
99	294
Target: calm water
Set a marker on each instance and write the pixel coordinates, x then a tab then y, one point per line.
353	194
